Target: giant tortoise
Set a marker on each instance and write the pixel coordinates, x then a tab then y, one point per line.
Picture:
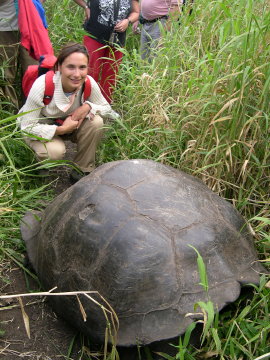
125	231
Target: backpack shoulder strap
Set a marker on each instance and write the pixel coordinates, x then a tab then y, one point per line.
49	87
87	88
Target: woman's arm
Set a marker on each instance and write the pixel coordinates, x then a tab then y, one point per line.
84	5
34	103
174	13
97	102
135	11
132	17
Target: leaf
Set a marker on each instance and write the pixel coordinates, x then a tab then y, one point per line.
216	339
226	106
244	312
70	348
25	318
82	309
208	316
188	332
202	270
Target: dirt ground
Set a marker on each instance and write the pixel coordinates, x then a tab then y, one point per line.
50	337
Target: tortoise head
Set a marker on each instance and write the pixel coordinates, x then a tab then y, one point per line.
30	227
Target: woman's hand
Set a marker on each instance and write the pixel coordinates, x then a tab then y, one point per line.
68	126
135	27
121	26
87	14
80	113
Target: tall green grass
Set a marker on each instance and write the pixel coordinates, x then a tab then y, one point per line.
18	182
201	106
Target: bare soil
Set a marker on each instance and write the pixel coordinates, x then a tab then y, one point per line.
50	337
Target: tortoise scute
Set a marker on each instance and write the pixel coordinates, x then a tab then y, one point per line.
125	232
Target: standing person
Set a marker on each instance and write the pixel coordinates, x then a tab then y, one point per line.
155	13
12	53
81	120
107	22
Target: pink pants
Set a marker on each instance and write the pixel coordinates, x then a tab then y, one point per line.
103	65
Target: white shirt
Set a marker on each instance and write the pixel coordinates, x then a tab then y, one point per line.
39	120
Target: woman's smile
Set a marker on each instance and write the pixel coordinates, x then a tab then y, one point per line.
73	72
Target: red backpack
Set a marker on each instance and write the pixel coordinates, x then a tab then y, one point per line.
45	66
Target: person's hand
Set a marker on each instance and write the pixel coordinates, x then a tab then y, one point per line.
80	113
135	27
87	14
68	126
121	26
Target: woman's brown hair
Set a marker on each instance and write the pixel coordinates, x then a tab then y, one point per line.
68	50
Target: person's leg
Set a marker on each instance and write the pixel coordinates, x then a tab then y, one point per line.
88	137
96	52
150	39
156	36
109	72
9	48
103	65
145	43
52	150
25	59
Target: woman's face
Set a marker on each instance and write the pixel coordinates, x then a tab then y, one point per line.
73	71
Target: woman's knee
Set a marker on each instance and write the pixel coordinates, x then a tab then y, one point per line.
51	151
95	124
98	122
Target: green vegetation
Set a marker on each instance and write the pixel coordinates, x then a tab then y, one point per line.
202	106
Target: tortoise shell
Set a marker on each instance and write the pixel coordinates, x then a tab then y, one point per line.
125	231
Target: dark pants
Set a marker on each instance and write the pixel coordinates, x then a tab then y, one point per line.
12	55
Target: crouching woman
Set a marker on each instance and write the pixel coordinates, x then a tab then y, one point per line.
68	115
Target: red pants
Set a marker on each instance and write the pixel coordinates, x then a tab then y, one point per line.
103	65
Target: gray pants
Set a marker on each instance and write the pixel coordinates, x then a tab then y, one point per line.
150	38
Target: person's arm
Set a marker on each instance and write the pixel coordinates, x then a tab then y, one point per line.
29	122
174	13
69	125
81	113
84	5
122	25
99	105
